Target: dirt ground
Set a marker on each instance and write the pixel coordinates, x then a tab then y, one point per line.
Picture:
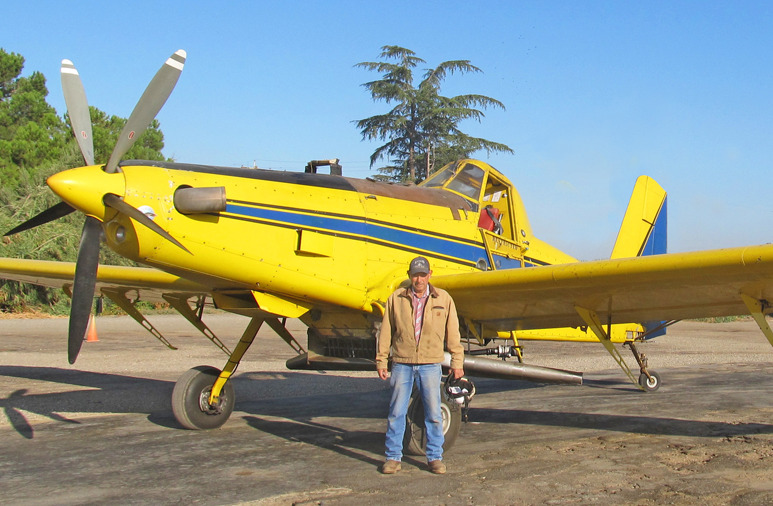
102	431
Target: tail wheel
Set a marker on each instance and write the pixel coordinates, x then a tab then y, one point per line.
649	384
415	438
190	399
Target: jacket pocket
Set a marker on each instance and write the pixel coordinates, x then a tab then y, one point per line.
438	320
439	313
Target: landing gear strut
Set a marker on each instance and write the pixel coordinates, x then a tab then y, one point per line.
648	380
203	397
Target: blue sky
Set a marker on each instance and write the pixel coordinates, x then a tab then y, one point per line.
597	93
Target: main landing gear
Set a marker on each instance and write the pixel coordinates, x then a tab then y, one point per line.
191	402
415	438
203	397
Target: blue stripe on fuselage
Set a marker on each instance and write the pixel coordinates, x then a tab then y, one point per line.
418	241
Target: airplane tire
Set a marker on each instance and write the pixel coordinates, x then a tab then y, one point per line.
190	399
415	438
650	385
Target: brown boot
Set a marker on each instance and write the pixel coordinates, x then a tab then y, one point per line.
391	467
437	467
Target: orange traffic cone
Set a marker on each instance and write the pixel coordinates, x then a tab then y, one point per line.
91	333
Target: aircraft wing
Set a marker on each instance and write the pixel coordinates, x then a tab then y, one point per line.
141	282
641	289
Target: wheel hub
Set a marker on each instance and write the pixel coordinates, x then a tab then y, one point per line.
206	407
446	417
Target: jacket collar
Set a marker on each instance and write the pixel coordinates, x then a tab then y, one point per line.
407	291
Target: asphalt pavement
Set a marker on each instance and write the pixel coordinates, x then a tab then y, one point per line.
102	431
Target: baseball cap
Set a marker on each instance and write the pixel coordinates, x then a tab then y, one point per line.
418	265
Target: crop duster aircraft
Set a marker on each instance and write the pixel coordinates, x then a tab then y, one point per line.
329	250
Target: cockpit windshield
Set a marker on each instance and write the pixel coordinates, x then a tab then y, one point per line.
466	180
439	178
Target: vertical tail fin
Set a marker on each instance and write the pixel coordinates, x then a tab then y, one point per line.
643	231
645	223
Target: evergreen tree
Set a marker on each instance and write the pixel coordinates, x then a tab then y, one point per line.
35	143
31	133
422	129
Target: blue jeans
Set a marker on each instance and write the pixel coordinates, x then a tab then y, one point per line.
427	378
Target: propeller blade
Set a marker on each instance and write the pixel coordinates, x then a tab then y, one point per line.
78	109
119	205
84	286
151	101
52	213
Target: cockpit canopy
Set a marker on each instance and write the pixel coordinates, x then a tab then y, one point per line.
487	191
462	177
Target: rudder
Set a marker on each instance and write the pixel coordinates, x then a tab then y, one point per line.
644	230
645	223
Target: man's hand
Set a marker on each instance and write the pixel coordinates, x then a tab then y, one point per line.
458	373
383	374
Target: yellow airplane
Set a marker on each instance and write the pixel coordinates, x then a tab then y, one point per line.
329	250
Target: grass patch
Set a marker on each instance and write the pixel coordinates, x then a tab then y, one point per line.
722	319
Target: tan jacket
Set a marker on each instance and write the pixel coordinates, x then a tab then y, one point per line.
441	326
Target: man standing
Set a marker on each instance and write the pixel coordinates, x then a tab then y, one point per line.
417	323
